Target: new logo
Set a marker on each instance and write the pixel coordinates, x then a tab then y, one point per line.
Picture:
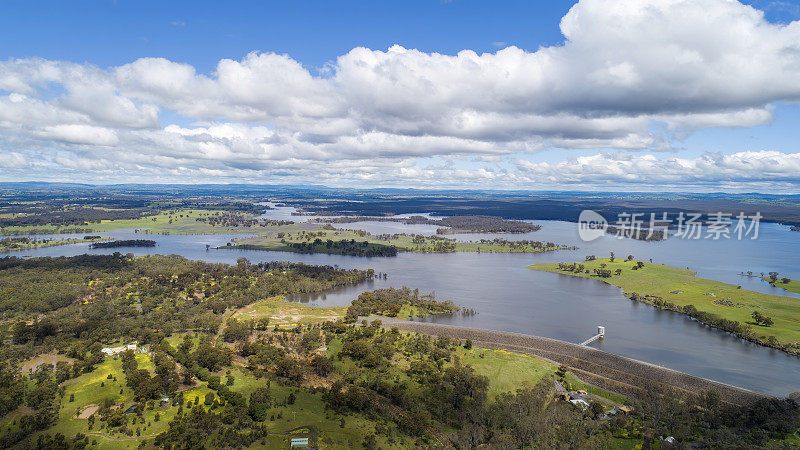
591	225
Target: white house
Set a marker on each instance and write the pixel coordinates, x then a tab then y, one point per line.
580	403
111	351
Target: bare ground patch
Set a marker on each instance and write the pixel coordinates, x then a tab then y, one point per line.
87	411
48	358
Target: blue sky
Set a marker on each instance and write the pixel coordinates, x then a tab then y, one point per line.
94	106
109	33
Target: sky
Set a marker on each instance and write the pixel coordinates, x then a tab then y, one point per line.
651	95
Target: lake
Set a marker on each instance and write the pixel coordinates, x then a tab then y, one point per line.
510	297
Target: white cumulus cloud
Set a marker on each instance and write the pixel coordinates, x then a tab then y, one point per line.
630	75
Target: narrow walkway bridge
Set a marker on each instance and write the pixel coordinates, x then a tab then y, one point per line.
601	331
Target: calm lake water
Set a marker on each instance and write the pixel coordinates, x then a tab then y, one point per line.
509	297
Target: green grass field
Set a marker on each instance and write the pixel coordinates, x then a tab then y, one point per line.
8	246
506	371
575	384
682	287
157	222
791	286
95	388
181	220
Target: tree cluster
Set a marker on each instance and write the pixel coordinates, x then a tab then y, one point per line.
388	302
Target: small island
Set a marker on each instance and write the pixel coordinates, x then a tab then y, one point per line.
362	243
341	247
124	243
640	234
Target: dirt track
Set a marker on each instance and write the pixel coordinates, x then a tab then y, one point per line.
615	373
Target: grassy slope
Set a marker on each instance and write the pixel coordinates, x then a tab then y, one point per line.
660	280
574	383
88	391
506	371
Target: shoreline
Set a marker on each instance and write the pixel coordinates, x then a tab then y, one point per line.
607	370
659	302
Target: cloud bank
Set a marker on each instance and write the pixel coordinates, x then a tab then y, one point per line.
630	79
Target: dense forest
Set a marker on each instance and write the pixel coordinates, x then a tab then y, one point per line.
641	234
389	302
124	243
239	219
217	204
485	224
344	247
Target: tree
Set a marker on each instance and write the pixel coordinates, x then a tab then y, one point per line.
186	344
262	323
129	363
761	319
711	399
260	403
321	365
236	331
596	409
370	443
773	277
442	340
63	371
468	344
